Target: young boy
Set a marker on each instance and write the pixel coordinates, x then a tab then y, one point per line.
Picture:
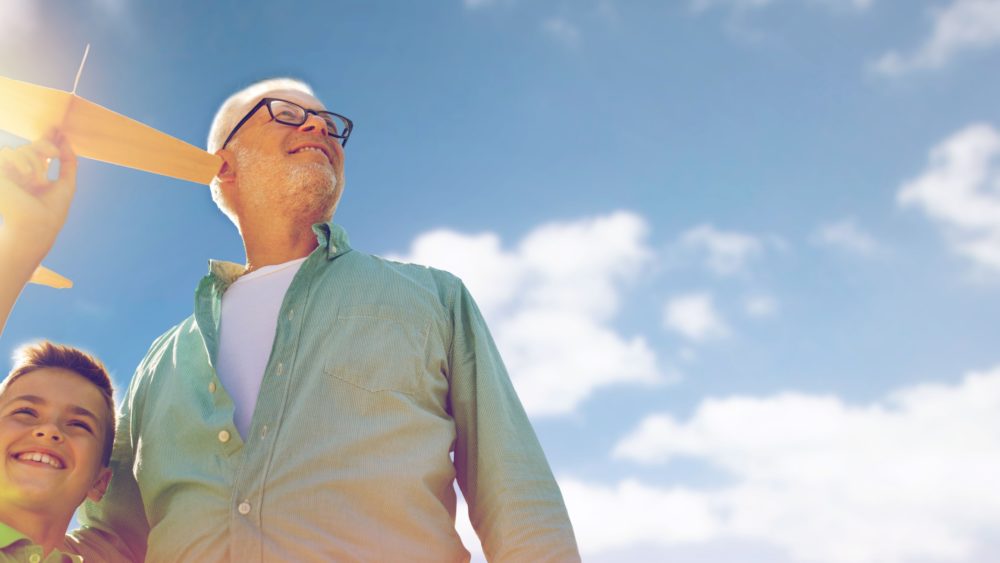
56	410
57	427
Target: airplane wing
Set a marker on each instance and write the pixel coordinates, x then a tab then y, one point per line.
45	276
30	111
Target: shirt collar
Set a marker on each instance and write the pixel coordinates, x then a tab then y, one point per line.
331	238
9	536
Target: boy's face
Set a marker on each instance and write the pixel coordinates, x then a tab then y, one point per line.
52	427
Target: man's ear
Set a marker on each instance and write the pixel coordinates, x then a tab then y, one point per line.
100	485
227	172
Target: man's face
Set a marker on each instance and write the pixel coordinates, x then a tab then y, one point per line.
52	428
298	170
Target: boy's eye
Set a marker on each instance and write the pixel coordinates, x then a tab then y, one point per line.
26	411
81	424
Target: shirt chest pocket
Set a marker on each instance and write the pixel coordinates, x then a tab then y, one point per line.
378	352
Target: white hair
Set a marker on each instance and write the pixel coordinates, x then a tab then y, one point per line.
231	111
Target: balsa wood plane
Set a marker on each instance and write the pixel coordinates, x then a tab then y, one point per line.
30	111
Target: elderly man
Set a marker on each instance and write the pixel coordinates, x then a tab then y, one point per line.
321	402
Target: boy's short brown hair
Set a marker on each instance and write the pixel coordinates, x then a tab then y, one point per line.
46	354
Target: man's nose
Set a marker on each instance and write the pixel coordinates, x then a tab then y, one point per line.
314	124
49	431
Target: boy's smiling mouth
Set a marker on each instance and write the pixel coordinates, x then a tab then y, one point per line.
43	458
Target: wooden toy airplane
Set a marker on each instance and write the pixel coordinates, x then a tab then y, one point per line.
95	132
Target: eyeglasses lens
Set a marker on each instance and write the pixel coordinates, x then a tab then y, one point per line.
287	113
333	124
293	114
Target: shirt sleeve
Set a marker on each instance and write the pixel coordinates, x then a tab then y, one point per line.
115	528
514	502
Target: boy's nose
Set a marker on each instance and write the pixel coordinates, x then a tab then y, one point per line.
50	433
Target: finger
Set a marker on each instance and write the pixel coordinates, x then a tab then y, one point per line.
67	158
17	166
41	153
45	148
64	187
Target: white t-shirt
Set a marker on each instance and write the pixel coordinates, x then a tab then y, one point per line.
250	308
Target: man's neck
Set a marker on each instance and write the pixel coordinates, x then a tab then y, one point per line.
277	242
43	529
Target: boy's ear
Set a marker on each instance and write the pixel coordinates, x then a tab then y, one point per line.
100	486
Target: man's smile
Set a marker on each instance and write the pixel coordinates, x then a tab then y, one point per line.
314	147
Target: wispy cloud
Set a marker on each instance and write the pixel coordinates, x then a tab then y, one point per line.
846	235
960	190
563	31
909	477
963	25
760	306
746	5
550	301
725	253
694	316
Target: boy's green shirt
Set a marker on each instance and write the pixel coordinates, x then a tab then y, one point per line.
16	547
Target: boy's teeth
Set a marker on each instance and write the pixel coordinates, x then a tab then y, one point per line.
41	458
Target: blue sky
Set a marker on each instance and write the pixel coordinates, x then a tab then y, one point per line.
742	257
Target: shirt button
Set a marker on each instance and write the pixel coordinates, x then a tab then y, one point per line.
263	431
223	436
281	369
244	508
35	558
211	387
291	314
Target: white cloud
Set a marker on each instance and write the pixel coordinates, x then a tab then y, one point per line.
629	513
562	31
960	190
963	25
846	235
694	316
725	253
744	5
760	306
910	477
465	530
550	301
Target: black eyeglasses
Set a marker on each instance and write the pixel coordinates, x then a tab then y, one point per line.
290	113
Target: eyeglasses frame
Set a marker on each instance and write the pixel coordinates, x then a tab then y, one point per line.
266	102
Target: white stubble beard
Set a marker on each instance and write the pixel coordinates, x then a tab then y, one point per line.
308	190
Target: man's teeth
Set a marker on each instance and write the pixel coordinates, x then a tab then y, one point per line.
41	458
310	149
